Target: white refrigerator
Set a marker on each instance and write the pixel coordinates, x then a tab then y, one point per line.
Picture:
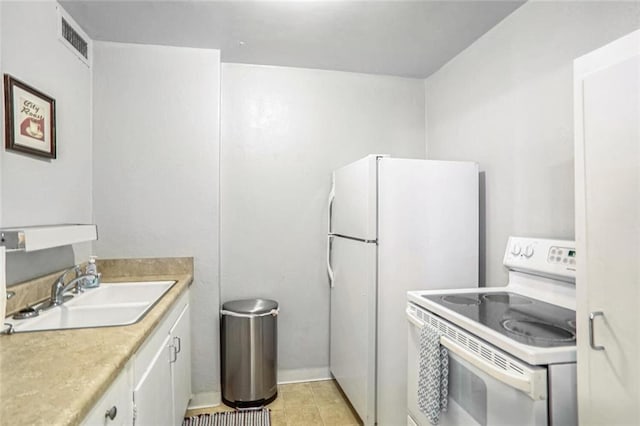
394	225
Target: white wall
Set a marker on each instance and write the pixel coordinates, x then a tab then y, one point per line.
33	190
156	142
283	131
506	102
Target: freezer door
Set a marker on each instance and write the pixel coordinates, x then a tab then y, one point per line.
354	206
353	339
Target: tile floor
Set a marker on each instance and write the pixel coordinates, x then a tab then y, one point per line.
305	404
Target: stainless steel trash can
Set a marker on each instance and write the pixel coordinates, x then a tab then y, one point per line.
249	353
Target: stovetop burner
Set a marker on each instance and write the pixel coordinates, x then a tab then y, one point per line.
539	330
510	299
521	318
461	299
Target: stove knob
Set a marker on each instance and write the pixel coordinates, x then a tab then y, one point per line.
528	251
515	250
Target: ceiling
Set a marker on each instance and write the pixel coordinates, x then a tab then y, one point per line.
401	38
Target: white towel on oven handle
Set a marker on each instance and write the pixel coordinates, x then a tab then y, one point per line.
433	375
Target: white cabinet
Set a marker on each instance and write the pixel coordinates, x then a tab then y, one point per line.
607	117
154	388
152	396
115	408
162	371
180	363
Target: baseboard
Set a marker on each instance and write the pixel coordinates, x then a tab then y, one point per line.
205	400
304	375
212	399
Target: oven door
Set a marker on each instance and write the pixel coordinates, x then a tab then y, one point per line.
486	386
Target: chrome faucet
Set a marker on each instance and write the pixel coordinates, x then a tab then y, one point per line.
59	287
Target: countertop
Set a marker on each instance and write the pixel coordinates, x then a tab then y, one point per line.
55	377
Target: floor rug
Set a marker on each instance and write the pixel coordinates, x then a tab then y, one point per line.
231	418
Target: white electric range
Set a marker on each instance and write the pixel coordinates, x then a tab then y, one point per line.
512	349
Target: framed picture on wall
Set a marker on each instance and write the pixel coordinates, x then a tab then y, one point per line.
30	119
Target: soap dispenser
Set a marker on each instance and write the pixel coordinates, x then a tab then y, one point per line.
92	268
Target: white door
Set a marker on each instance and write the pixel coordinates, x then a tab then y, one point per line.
181	365
608	234
353	340
354	205
152	395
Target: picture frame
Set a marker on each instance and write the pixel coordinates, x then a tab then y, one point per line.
30	119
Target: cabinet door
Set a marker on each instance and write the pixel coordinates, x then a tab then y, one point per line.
181	365
116	402
608	236
152	395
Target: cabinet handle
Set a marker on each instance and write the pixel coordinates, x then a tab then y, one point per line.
177	339
174	351
592	339
111	413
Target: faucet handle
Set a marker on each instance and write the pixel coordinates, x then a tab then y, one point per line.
62	278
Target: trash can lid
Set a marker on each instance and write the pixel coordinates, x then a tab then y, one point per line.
250	306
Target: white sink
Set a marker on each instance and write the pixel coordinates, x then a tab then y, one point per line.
116	293
111	304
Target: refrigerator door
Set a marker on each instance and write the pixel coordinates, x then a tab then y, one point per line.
427	239
353	337
354	204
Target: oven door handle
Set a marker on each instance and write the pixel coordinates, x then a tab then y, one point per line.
414	320
532	382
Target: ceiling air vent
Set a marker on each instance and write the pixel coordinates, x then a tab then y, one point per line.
70	34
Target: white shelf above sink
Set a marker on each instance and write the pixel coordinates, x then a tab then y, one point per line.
32	238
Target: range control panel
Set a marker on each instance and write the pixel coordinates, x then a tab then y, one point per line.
547	257
562	255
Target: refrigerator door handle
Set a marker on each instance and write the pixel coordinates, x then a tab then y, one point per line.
329	269
332	196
